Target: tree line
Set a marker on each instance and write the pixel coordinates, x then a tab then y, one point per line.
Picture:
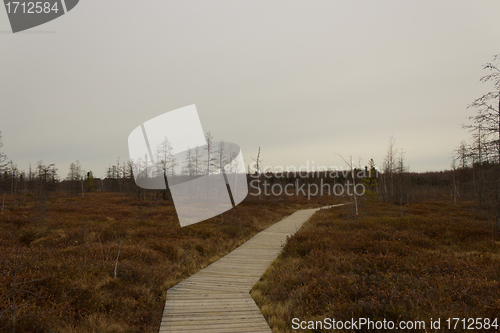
474	173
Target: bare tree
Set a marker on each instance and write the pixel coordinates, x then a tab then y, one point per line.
256	175
354	197
389	168
188	167
486	131
487	117
165	159
197	161
209	148
146	166
46	178
13	174
221	158
72	175
462	155
75	177
3	157
402	170
257	162
165	164
455	191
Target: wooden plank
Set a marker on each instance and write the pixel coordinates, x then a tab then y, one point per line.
217	299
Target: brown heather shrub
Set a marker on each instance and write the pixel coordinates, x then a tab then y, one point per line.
435	260
70	287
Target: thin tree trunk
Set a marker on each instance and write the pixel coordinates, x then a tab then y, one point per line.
102	251
116	262
498	186
3	202
354	188
84	243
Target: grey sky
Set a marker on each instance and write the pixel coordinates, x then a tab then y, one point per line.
303	80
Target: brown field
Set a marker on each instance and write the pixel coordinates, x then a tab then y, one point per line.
61	255
428	260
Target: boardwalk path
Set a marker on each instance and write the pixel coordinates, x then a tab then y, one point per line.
217	299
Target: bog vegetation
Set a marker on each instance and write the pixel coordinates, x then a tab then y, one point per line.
432	259
103	262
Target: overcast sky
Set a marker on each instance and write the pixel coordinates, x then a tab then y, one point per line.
303	80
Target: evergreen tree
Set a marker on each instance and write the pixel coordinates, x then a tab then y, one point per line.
89	182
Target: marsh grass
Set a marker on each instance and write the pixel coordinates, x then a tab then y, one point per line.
67	265
431	260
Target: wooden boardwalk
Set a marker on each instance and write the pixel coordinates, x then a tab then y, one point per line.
217	298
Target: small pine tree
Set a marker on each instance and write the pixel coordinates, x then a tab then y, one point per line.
89	182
